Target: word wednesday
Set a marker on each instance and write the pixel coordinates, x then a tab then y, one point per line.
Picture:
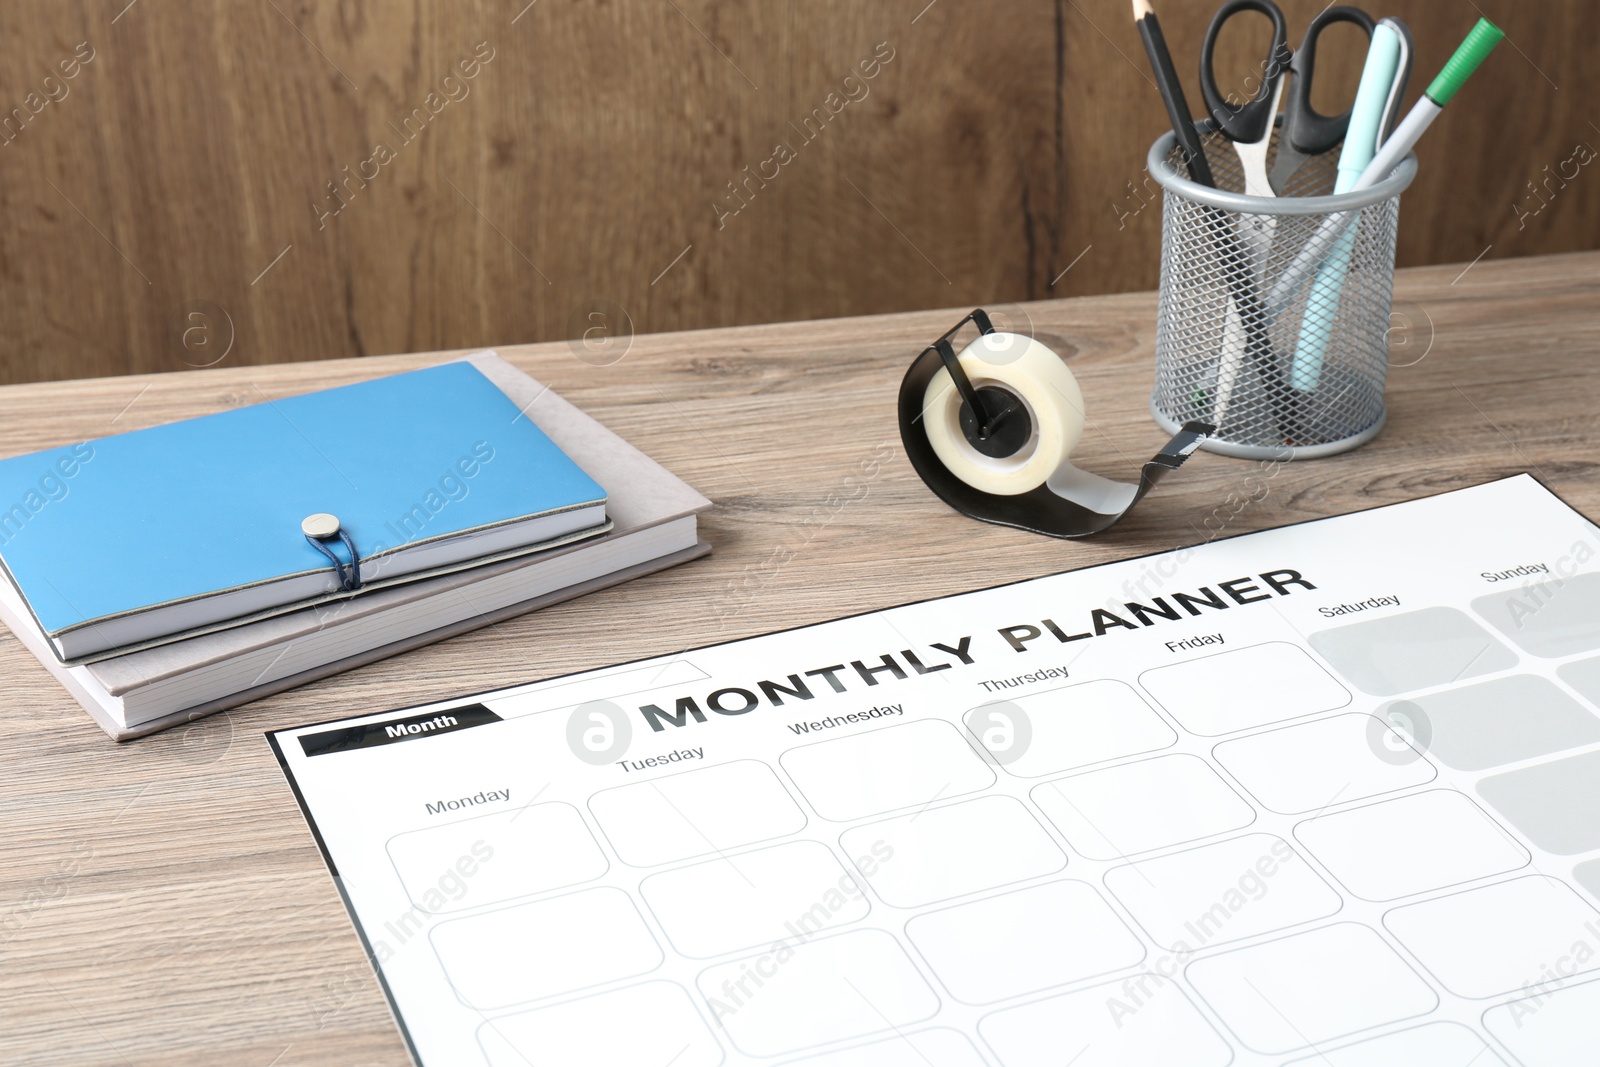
898	666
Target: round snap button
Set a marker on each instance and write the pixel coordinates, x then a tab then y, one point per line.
320	525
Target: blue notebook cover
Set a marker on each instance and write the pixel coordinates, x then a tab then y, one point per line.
115	527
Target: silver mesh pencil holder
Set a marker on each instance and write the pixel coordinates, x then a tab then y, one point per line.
1273	311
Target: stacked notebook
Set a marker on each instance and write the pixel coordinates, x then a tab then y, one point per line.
164	574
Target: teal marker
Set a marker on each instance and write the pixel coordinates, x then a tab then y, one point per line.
1382	76
1472	52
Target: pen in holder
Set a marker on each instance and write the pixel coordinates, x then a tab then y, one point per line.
1273	311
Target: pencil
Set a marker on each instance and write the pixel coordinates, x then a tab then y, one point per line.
1155	46
1258	347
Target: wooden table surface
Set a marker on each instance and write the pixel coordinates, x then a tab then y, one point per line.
162	902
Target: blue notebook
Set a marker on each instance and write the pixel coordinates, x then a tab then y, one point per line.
157	534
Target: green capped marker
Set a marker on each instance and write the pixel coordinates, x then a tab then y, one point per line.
1472	52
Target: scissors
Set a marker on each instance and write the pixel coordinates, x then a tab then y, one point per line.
1249	124
1307	132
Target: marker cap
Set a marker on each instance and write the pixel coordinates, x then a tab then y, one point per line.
1473	51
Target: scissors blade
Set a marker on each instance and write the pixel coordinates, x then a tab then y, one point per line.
1256	232
1285	166
1253	155
1230	355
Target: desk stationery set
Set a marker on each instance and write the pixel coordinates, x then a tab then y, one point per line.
1257	802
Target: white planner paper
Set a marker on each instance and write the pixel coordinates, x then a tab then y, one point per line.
1328	794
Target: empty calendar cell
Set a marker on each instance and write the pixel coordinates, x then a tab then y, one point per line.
878	771
1071	727
1145	1019
1302	990
762	897
1219	893
1445	1044
1247	687
817	992
947	852
695	813
1499	938
1136	807
925	1048
663	1027
1025	941
1317	765
1410	845
579	940
496	857
1555	1028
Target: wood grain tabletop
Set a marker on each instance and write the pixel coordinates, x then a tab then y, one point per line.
162	902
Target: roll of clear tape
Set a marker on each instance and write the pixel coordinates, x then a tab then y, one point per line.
1029	482
1038	380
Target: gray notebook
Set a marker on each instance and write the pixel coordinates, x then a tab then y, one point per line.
654	527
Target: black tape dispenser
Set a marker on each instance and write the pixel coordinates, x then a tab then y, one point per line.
991	430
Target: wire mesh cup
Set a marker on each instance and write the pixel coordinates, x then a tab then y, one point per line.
1273	312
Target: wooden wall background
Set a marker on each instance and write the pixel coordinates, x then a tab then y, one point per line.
165	206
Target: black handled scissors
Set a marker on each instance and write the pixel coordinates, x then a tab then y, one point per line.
1248	123
1306	131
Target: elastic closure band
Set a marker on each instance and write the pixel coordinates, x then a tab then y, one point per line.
349	573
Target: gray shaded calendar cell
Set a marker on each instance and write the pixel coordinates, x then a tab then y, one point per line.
1557	805
1505	720
1584	676
1587	874
1417	650
1558	617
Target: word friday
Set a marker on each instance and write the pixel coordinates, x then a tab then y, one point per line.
874	670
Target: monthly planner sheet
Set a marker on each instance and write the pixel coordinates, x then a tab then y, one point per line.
1323	795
